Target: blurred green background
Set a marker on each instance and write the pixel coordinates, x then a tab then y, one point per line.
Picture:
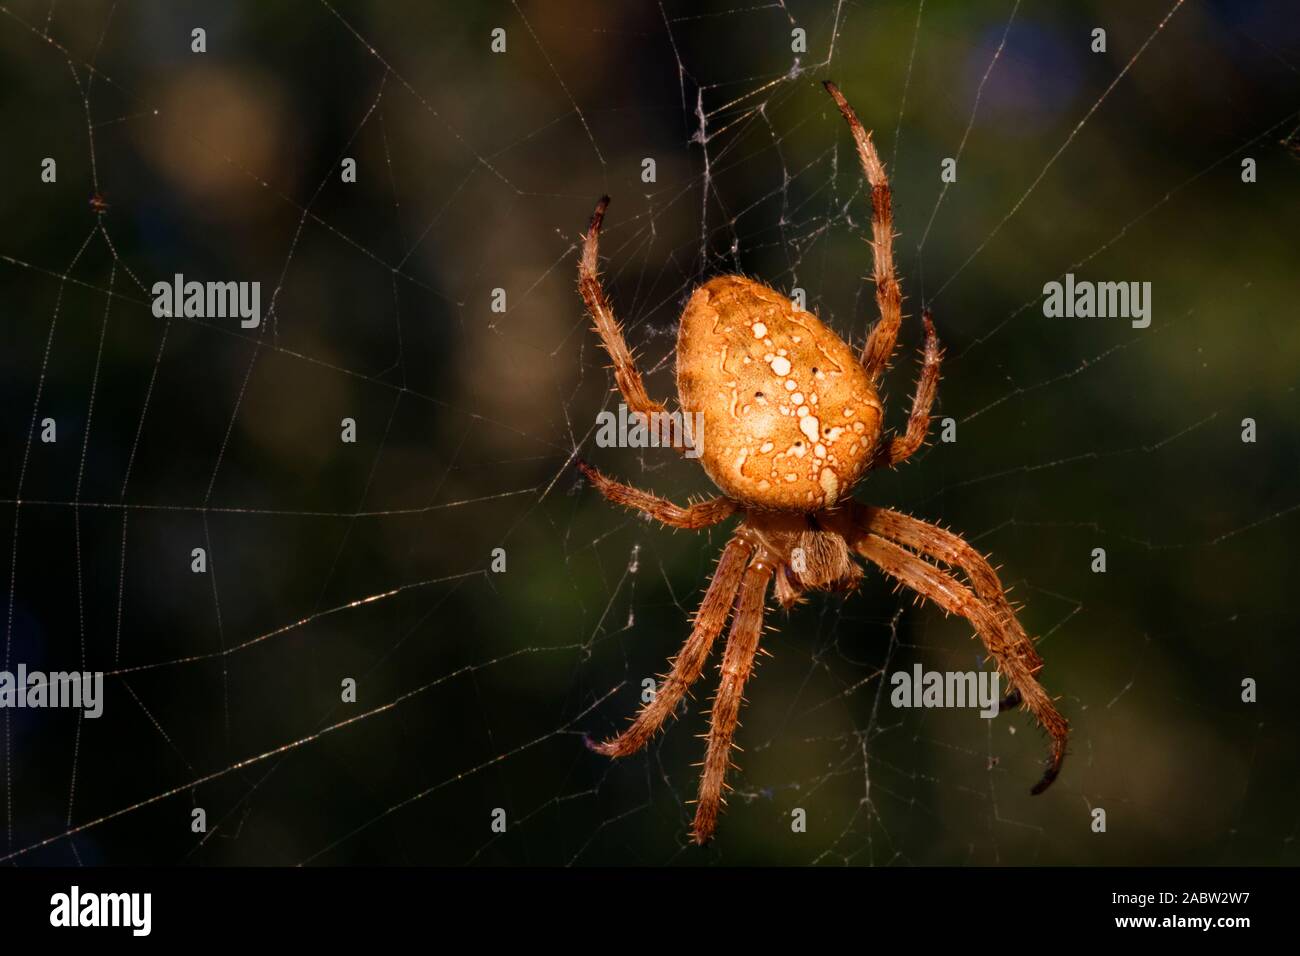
477	171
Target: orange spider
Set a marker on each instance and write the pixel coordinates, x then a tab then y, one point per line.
791	422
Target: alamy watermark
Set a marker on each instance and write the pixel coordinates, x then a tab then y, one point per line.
209	300
627	429
947	689
1085	300
37	689
133	911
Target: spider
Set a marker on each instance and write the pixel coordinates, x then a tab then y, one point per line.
99	204
792	421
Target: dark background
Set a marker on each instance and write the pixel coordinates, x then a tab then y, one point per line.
478	171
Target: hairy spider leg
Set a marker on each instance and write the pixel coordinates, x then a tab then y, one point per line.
702	514
889	296
689	663
626	373
880	344
902	447
991	615
737	665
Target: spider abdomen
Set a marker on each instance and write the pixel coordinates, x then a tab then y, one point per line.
790	417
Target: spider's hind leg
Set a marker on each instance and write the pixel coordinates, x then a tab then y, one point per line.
626	373
889	295
882	341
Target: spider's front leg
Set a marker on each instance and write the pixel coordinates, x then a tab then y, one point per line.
737	665
880	536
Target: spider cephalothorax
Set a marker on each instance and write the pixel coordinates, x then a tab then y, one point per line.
791	422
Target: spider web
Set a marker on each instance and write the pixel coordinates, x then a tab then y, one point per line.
373	560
